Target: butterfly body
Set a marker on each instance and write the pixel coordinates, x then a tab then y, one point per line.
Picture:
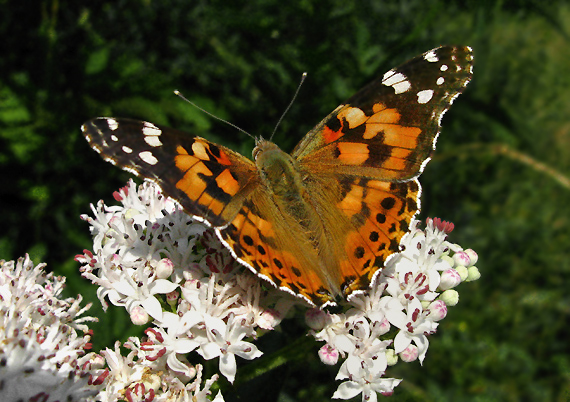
321	221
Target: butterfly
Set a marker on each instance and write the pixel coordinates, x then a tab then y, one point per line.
321	221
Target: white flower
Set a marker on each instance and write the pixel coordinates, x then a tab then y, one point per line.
368	383
174	341
369	351
134	377
414	325
337	333
226	341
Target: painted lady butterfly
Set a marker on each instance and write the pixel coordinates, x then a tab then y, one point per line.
318	222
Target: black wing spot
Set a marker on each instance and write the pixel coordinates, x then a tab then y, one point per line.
248	240
380	218
388	203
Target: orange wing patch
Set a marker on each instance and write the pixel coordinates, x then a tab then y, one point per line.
380	213
211	181
255	241
377	145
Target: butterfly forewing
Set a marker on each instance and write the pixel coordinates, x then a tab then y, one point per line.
388	129
208	180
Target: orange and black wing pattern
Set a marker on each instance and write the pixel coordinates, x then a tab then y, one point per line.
209	181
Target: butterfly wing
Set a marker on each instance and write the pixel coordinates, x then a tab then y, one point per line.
208	180
219	187
374	146
388	129
274	245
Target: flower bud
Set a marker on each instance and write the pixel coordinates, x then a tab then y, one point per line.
462	271
409	354
473	273
449	279
164	268
315	318
328	355
139	316
473	257
461	258
438	310
450	297
391	357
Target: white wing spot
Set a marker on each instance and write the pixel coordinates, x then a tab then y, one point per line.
148	157
431	57
150	129
443	67
113	124
402	87
398	81
114	138
152	140
151	133
440	81
425	96
127	150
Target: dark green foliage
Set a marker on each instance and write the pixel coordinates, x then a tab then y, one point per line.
500	172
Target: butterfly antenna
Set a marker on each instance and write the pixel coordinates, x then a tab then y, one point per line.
290	104
179	94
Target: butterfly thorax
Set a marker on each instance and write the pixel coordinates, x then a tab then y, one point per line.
285	179
278	171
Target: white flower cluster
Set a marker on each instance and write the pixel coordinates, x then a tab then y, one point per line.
43	339
161	265
396	316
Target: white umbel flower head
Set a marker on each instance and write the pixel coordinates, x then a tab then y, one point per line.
43	337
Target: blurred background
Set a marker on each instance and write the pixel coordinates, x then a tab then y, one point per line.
500	172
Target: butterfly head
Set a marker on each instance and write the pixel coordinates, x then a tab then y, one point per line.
262	145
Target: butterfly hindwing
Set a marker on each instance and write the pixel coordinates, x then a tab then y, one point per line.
380	213
273	245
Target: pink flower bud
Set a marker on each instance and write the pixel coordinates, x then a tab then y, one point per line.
409	354
462	258
449	279
472	256
438	310
328	355
315	318
164	268
139	316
